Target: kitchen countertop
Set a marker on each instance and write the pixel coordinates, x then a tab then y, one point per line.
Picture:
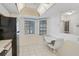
4	44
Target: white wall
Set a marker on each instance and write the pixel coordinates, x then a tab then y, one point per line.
53	25
37	27
73	24
55	28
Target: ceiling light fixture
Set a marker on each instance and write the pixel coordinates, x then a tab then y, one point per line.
69	12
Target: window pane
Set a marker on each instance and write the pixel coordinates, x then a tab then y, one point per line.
29	27
43	27
66	27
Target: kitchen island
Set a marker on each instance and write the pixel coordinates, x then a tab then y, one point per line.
5	46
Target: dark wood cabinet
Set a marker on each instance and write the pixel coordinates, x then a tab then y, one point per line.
8	31
7	27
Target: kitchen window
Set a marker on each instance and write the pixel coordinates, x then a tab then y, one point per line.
43	27
29	27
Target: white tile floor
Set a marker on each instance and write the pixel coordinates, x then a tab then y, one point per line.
69	48
35	46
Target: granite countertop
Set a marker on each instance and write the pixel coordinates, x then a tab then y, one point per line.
4	44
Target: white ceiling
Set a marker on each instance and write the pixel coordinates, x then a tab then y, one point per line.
32	5
61	8
57	8
13	8
10	7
